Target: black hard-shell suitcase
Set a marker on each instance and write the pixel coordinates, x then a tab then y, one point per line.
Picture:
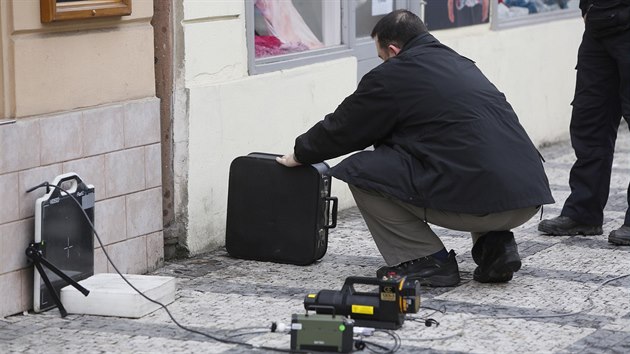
277	213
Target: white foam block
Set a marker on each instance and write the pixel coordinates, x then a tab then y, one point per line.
110	295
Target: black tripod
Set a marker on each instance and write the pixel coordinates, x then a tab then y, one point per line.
35	254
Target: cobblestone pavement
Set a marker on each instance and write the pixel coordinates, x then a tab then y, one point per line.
568	297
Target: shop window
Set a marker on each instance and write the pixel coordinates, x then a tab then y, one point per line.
511	13
284	34
288	33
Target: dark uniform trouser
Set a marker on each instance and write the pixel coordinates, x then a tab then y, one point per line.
401	231
602	96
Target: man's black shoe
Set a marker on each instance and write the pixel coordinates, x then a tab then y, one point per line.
428	271
621	236
497	255
565	226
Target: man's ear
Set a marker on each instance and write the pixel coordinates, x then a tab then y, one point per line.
394	50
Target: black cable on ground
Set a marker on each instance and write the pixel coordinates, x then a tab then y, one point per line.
377	347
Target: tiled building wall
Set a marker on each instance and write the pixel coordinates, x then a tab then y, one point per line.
116	148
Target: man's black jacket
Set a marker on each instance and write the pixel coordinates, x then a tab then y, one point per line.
584	4
444	136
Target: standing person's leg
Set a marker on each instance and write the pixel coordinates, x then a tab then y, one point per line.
619	49
594	123
405	241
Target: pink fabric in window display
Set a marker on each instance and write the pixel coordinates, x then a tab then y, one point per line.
270	45
267	45
286	24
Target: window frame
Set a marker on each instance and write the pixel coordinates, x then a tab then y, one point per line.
545	17
51	11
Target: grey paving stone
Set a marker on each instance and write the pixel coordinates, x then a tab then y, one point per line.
602	341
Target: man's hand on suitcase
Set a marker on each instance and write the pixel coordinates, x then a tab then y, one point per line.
288	160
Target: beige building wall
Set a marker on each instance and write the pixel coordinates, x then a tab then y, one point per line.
83	96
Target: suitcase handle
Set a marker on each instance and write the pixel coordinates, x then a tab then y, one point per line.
333	214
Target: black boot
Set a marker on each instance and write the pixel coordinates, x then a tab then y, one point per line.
621	236
565	226
428	271
496	255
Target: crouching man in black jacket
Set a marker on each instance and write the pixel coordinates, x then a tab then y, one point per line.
448	151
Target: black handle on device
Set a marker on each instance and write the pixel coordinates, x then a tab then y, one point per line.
333	214
350	281
324	307
57	191
361	280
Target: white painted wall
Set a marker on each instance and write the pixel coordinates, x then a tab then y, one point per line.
222	113
260	113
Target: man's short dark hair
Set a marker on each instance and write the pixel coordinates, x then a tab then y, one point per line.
397	28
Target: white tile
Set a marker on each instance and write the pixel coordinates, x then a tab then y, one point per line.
10	191
142	122
100	261
61	138
155	251
129	256
144	212
153	168
27	288
19	145
103	130
124	172
14	239
10	293
110	220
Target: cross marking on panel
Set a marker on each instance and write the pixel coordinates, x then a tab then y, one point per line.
68	248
